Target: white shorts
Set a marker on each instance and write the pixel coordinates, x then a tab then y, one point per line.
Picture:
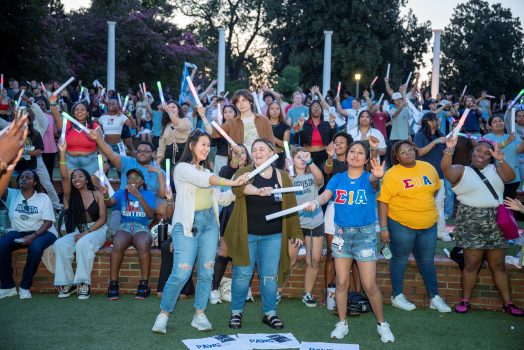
329	219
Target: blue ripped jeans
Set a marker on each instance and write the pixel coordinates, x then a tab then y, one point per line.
202	247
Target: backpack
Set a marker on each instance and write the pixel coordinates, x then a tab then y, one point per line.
358	303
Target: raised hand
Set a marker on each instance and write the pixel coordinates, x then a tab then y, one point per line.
451	141
330	150
13	140
497	153
377	169
62	145
373	141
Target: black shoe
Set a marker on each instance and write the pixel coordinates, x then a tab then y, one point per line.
143	290
84	291
273	322
235	321
113	292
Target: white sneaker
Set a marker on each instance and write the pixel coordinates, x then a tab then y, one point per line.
279	297
24	293
445	237
402	303
439	304
201	322
214	297
160	323
341	330
250	296
385	333
6	293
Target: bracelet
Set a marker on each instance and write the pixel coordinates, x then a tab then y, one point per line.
106	197
384	228
436	141
499	161
222	181
373	148
449	151
62	162
503	144
329	165
317	203
53	104
170	202
310	162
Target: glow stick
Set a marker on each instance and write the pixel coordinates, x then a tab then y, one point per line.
168	173
227	93
119	100
380	99
76	122
257	102
516	98
64	127
287	189
88	99
291	167
140	88
102	92
460	123
463	91
160	92
219	113
387	72
338	88
409	78
374	81
513	120
22	92
262	167
64	85
144	88
224	134
101	169
193	90
1	81
490	96
81	94
41	83
281	213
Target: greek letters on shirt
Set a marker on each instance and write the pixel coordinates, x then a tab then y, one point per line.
410	183
133	210
349	197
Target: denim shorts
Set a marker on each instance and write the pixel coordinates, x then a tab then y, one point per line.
88	162
134	227
360	243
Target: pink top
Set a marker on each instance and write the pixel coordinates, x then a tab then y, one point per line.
316	139
379	121
49	135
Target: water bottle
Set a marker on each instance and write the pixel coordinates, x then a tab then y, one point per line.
386	252
330	297
162	232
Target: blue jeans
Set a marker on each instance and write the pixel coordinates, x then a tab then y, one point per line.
34	255
265	252
202	247
422	243
449	201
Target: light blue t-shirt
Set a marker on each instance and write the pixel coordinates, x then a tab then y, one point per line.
296	112
354	200
130	207
151	178
308	219
510	152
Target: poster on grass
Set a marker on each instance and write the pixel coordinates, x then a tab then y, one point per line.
328	346
270	341
220	341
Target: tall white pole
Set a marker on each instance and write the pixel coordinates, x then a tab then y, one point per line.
111	55
221	60
326	78
435	75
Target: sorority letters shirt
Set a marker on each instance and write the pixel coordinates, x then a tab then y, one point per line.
28	215
354	200
130	207
308	219
410	194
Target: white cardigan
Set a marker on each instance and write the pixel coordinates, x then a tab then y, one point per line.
187	178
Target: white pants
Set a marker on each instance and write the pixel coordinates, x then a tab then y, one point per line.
85	249
46	182
439	201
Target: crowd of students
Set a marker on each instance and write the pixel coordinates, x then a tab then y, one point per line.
369	170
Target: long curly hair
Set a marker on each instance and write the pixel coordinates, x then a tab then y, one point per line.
77	212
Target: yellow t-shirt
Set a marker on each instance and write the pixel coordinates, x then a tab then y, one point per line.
203	198
410	194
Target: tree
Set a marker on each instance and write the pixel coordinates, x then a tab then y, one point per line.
483	48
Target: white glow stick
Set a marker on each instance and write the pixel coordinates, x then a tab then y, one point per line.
140	88
516	98
387	73
291	167
43	87
102	93
81	94
409	78
144	88
380	99
76	122
119	100
160	92
64	85
281	213
257	102
287	189
219	113
64	127
224	134
22	92
227	93
101	170
338	88
88	99
463	91
513	120
460	123
262	166
193	90
490	96
374	81
168	173
126	100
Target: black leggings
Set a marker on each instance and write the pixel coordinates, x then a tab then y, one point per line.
220	267
165	270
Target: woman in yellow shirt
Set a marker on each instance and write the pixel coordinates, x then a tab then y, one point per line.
408	221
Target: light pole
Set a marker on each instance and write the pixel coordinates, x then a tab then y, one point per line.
357	79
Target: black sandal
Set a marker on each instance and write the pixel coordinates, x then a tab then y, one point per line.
235	321
273	322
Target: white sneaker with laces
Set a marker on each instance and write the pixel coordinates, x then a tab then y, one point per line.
160	325
201	322
214	297
24	293
341	330
438	304
402	303
6	293
385	333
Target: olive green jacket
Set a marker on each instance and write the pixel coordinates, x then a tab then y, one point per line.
235	234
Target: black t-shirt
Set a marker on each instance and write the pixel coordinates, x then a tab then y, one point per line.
279	130
339	166
258	207
27	162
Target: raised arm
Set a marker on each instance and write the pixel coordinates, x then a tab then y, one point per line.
339	107
389	90
113	157
66	184
453	173
55	112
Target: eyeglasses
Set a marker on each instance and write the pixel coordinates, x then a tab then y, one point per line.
143	151
407	151
134	178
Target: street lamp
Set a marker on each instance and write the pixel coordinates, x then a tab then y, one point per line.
357	79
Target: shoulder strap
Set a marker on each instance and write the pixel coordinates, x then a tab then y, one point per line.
486	182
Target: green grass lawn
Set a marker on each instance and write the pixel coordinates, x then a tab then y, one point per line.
45	322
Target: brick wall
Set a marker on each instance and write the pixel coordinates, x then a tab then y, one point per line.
485	296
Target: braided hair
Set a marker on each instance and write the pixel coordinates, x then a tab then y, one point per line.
77	211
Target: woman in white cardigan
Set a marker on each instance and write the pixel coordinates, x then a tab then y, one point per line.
195	228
